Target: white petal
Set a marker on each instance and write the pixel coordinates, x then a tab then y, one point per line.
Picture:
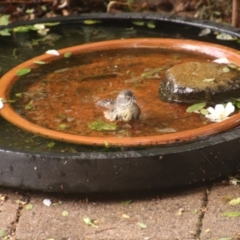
47	202
229	108
53	52
1	104
211	110
221	60
219	109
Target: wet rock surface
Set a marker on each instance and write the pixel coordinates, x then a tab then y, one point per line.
200	81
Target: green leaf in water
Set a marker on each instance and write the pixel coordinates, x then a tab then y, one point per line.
30	10
67	54
151	25
62	126
238	104
224	239
196	107
44	8
5	32
22	29
49	24
225	69
51	144
225	36
4	20
208	79
39	62
28	106
91	22
231	214
231	65
204	111
18	94
102	126
138	23
23	71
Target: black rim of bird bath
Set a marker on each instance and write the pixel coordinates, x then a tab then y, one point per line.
103	169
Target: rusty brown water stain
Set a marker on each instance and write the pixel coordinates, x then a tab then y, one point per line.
68	97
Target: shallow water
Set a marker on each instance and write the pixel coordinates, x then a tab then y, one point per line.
22	46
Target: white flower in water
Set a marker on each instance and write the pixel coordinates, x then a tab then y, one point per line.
220	112
53	52
221	60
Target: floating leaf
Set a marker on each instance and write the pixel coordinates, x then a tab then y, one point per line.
231	65
51	144
44	8
225	36
138	23
102	126
204	32
39	62
31	10
224	239
142	225
67	54
23	71
4	20
23	28
65	213
2	233
90	22
208	79
237	103
62	126
5	32
151	25
225	69
127	202
234	201
125	216
51	24
231	214
29	206
18	94
28	106
204	111
89	222
196	107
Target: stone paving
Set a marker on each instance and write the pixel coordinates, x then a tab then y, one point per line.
185	214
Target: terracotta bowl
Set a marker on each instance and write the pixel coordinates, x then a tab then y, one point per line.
212	50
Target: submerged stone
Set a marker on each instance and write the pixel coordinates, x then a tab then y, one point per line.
194	82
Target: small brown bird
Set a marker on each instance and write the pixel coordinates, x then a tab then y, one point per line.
124	108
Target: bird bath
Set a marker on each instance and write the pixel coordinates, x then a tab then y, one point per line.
62	163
